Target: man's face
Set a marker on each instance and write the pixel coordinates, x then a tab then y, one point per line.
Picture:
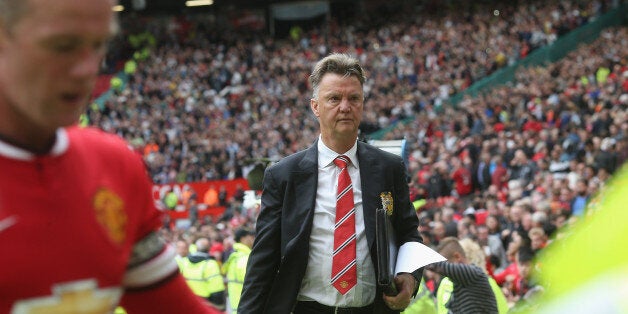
524	269
482	234
248	240
439	230
537	242
339	106
49	60
182	248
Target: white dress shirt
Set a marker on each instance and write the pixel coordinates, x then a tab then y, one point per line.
316	284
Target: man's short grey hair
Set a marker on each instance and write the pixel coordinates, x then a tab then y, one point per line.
11	11
202	245
337	63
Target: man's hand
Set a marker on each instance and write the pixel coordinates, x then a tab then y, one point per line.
406	284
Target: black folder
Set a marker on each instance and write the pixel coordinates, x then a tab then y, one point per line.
386	252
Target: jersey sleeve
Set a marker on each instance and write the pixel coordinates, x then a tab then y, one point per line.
152	283
173	296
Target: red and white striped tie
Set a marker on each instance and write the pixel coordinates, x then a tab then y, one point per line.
343	269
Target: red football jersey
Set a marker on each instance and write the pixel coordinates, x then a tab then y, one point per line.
77	226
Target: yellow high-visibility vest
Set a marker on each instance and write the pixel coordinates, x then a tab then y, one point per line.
443	294
204	278
423	303
234	270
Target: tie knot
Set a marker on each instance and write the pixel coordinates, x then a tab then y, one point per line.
342	161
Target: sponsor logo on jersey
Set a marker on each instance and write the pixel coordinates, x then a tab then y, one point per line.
81	296
7	222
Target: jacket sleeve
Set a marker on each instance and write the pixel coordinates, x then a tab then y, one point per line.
406	220
265	256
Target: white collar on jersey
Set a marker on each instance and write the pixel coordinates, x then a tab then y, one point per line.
60	146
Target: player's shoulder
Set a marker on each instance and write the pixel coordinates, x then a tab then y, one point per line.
97	140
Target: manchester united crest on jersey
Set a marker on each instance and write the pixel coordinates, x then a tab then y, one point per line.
110	213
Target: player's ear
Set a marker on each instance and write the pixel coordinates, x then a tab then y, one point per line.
314	106
3	35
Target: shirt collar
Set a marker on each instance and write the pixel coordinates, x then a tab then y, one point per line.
326	155
60	146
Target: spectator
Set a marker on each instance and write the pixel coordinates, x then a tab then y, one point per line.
492	247
499	173
475	256
438	185
234	268
183	249
462	181
438	231
525	286
522	169
210	198
482	172
192	209
471	289
202	273
581	199
222	196
538	239
171	200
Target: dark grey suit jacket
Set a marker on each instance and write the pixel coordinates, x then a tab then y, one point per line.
280	253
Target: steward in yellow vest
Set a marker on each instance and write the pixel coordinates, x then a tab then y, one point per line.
423	302
202	274
235	267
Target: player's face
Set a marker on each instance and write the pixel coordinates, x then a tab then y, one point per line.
339	106
49	60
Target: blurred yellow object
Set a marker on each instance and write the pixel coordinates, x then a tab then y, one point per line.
119	310
422	303
587	270
419	203
83	120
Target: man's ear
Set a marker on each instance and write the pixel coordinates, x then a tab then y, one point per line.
314	106
456	257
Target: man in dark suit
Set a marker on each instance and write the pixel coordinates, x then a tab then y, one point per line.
293	264
482	172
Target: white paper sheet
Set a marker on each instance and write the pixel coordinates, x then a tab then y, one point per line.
414	255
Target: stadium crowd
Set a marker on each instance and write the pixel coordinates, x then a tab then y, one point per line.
203	84
507	168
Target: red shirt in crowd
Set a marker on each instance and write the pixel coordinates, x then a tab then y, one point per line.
463	181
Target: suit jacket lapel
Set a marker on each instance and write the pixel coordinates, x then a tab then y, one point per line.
304	182
305	178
